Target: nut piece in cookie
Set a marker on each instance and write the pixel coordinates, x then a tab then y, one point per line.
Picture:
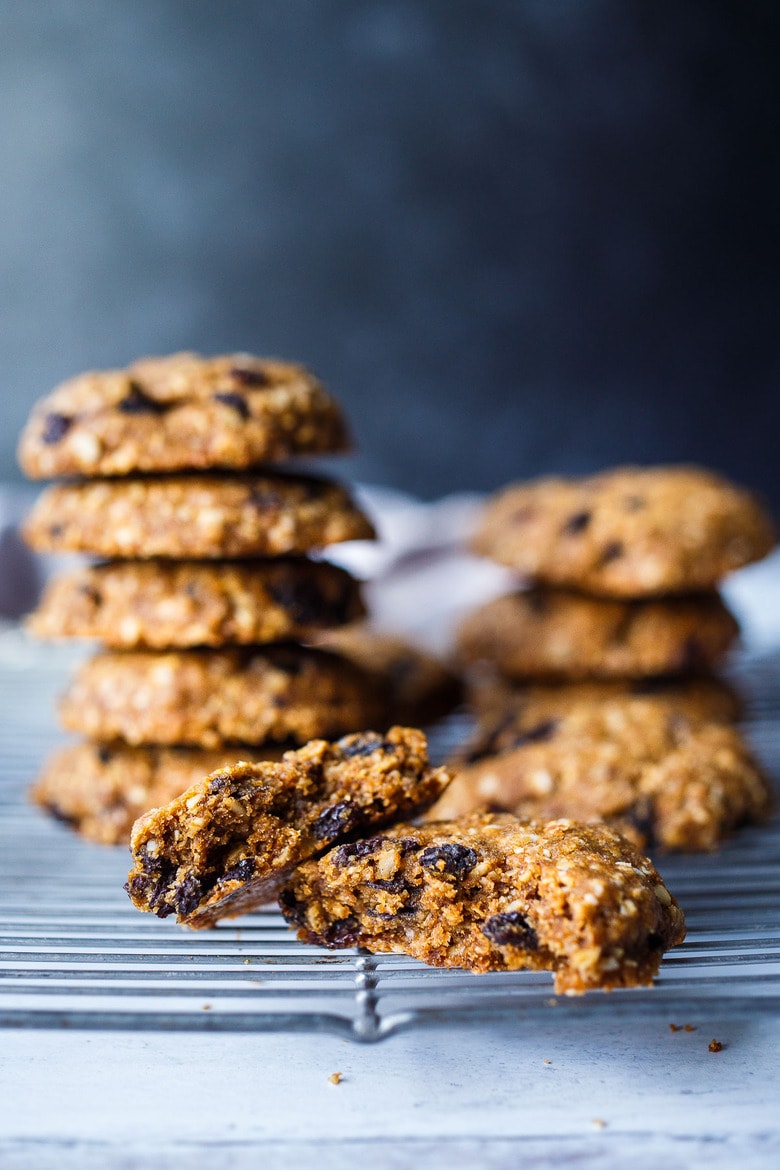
205	698
657	777
171	604
100	790
178	413
198	516
631	532
561	634
228	843
490	893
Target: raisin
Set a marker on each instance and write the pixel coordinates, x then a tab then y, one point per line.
55	427
457	860
654	941
396	885
187	895
137	402
511	930
286	658
302	600
611	552
537	601
337	820
354	850
249	377
344	932
236	401
577	523
242	871
538	734
361	745
294	911
105	755
220	783
691	657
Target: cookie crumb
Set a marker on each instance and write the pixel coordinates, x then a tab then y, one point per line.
206	1007
335	1078
690	1028
715	1046
675	1027
598	1123
547	1062
246	962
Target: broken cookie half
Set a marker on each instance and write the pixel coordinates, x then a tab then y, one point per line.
228	843
490	893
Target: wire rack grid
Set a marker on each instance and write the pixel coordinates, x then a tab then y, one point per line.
74	953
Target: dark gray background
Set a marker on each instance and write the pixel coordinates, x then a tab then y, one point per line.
512	237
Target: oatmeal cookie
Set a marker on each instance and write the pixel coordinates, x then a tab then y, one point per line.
182	412
632	532
556	633
100	790
421	689
169	604
199	516
227	844
499	705
205	698
657	777
492	894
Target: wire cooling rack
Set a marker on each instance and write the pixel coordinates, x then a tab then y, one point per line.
74	953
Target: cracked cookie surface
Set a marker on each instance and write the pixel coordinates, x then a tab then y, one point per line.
489	893
228	843
181	412
631	532
199	516
659	778
167	604
205	698
558	633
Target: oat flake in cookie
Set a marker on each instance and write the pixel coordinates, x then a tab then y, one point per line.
228	843
631	532
198	516
490	893
182	412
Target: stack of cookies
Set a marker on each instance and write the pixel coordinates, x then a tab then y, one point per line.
600	699
205	594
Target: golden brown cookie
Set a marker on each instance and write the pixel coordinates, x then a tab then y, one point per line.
493	894
100	790
162	604
200	516
557	633
499	705
227	844
182	412
631	532
206	698
421	689
652	774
